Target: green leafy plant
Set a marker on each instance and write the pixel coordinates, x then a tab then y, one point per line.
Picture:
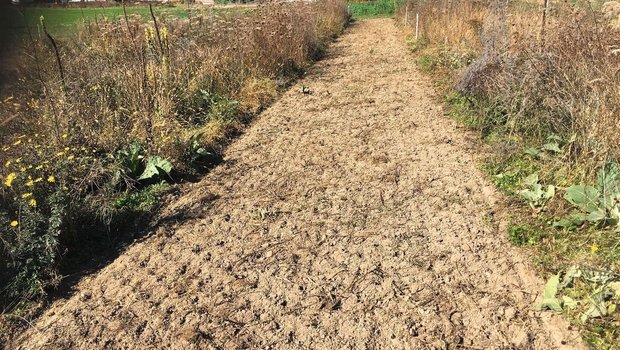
597	205
550	301
553	146
195	151
137	166
32	245
523	234
222	108
131	159
155	168
141	201
601	302
534	193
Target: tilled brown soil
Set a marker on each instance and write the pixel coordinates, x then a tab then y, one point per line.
353	217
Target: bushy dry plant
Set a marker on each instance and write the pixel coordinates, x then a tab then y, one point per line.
124	104
560	77
566	83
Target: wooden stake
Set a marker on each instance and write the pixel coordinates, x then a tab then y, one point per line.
417	25
407	15
544	21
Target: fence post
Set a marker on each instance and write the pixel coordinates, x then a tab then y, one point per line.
417	25
544	21
407	15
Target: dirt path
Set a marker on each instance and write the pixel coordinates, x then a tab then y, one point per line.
350	218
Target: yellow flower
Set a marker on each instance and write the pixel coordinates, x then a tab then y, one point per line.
8	163
30	183
9	179
60	154
39	167
71	157
51	179
26	195
17	142
32	202
64	136
38	179
22	169
14	223
594	249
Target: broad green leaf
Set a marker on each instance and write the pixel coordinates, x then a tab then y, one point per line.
584	197
155	166
532	151
551	288
534	195
568	302
550	304
530	180
596	216
552	147
576	219
550	192
608	183
564	223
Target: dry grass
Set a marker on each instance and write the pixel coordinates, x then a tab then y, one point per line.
173	88
562	79
456	25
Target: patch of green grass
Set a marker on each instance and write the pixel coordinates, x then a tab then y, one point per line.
62	21
426	63
372	9
463	109
141	201
524	234
507	174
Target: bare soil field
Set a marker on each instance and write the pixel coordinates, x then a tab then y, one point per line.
350	215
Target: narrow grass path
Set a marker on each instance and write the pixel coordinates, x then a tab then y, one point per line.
353	217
